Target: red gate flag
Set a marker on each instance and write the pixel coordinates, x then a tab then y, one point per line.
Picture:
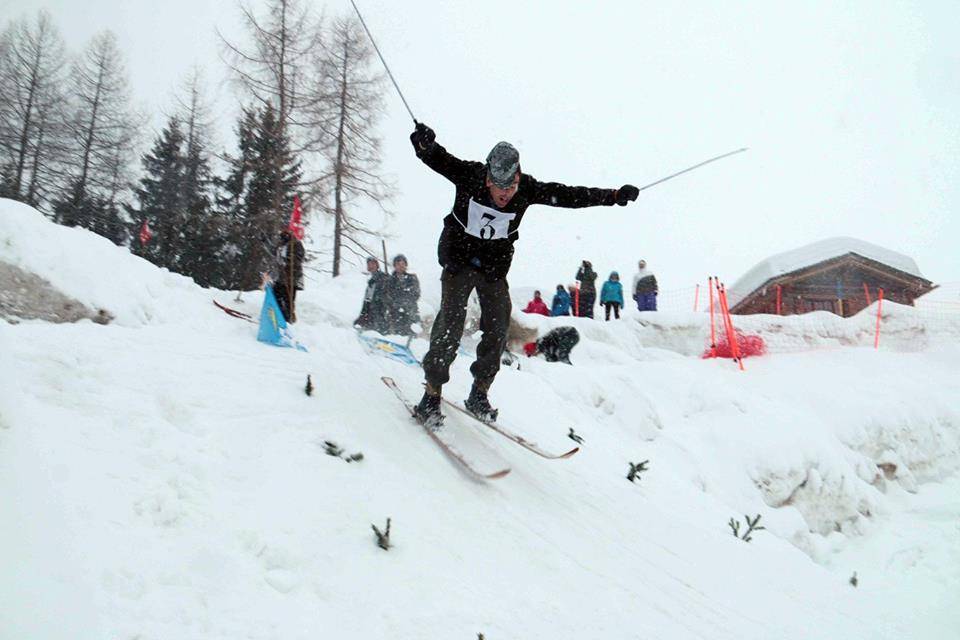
296	226
145	233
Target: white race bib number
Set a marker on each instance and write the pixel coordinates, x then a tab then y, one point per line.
486	223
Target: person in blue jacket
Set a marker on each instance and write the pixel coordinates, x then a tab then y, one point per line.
561	302
611	296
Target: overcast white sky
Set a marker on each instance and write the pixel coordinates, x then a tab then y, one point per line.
851	111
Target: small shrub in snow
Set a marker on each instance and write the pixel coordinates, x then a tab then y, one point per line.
332	449
751	527
853	579
383	537
636	469
309	388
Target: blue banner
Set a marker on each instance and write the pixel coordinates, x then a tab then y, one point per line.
273	326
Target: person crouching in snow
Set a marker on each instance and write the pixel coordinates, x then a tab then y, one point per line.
561	302
611	295
537	305
555	346
475	250
402	291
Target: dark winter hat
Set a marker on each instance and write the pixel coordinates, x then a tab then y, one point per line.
371	259
614	274
399	258
503	162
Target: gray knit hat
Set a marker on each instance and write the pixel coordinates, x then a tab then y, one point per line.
503	163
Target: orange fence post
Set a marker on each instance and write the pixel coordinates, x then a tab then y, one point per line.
696	298
728	322
876	340
713	324
779	299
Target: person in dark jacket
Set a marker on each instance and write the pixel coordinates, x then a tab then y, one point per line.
588	289
287	274
611	295
537	305
372	315
475	251
402	291
561	302
645	288
555	346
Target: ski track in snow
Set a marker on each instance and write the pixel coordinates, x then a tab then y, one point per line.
166	478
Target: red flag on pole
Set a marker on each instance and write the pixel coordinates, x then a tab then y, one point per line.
296	225
145	233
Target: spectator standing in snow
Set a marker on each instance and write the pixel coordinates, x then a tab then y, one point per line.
588	289
611	295
475	251
402	291
287	274
574	292
537	305
555	346
645	288
372	313
561	302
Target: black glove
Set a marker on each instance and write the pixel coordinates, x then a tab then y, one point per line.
423	137
626	193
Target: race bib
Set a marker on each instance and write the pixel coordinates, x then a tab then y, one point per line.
486	223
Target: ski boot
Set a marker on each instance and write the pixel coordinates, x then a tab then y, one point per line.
478	404
427	411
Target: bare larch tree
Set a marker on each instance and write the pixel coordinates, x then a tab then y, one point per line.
349	106
32	62
103	134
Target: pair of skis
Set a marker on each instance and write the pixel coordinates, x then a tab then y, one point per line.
446	444
230	311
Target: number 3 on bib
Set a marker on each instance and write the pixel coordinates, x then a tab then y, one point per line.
486	223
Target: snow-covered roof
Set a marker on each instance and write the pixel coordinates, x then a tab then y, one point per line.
815	253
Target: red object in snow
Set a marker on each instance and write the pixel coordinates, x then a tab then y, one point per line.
530	349
748	346
145	233
296	226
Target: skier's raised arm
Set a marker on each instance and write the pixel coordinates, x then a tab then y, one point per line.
439	159
554	194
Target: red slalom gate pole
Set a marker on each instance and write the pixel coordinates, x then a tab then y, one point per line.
713	324
876	340
866	292
779	299
734	346
696	298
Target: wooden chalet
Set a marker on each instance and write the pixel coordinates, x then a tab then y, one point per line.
839	275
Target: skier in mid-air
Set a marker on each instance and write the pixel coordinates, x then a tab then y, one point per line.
475	251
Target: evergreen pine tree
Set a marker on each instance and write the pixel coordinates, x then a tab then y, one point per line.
160	199
274	177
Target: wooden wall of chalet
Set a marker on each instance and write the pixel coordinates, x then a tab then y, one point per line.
835	285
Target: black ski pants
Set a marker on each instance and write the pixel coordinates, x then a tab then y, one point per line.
612	305
447	329
282	294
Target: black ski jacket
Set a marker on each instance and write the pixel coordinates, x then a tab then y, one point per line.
477	234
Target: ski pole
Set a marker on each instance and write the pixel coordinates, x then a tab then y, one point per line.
720	157
377	49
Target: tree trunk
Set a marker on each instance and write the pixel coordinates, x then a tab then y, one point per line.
24	133
88	144
338	169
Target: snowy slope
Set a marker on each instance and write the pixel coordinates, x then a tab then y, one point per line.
164	477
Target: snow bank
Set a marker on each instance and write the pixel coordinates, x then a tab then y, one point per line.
92	270
169	479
